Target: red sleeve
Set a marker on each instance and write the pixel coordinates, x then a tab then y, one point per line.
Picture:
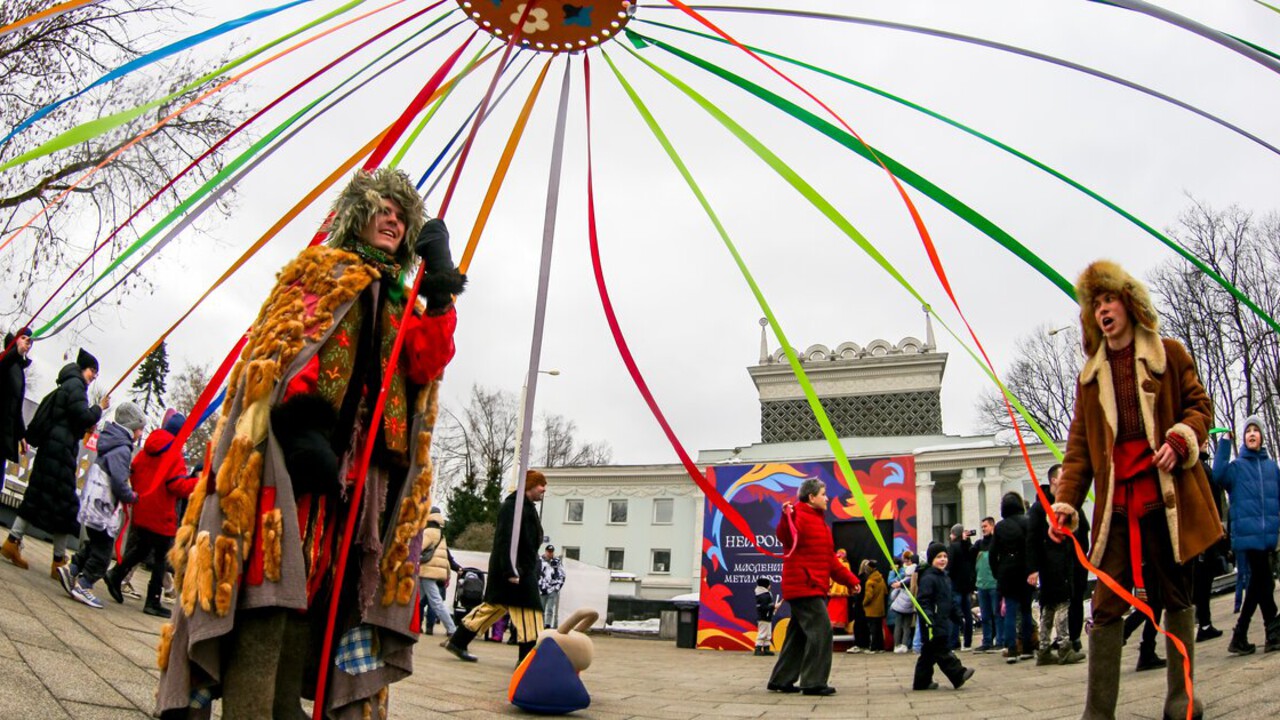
428	345
305	381
785	535
843	575
182	485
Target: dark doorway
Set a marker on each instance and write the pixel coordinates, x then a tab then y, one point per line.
855	538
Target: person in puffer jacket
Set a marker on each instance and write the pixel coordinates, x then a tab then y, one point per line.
105	487
161	479
938	613
1252	481
806	576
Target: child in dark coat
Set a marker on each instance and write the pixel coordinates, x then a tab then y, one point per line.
765	606
938	612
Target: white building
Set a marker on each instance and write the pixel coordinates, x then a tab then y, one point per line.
883	400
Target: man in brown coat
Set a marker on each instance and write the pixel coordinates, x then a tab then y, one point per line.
1140	416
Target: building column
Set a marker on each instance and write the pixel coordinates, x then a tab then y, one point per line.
993	483
970	513
924	510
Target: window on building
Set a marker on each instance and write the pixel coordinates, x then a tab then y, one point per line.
617	512
573	511
573	553
660	564
614	557
944	516
663	509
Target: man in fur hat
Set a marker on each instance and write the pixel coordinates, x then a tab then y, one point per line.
1140	416
255	556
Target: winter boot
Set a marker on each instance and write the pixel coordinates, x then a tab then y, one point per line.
1044	656
1180	624
1068	655
457	643
1147	657
1103	684
1240	644
1273	635
524	649
12	551
57	563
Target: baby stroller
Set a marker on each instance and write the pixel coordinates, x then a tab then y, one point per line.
469	592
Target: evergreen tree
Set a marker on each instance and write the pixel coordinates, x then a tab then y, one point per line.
148	387
475	500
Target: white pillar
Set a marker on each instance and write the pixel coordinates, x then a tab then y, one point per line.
993	483
924	510
970	515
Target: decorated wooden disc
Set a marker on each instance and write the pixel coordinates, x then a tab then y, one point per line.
551	25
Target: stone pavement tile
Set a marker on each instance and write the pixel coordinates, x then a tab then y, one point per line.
68	678
8	651
22	628
84	711
23	695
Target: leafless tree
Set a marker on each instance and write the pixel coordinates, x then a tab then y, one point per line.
187	386
1043	378
561	449
46	61
1237	353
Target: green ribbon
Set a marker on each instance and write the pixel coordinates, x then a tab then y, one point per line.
1164	239
228	170
88	130
422	124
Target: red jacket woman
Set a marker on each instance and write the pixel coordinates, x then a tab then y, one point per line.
813	564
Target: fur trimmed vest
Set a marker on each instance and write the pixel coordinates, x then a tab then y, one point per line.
1172	401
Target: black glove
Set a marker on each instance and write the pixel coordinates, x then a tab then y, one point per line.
303	425
441	281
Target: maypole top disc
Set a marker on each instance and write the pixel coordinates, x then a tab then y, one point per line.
552	25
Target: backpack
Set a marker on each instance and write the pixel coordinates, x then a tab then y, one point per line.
41	422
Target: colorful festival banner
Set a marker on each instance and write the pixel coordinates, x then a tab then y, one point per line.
731	562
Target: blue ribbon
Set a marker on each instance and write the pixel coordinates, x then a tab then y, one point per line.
151	57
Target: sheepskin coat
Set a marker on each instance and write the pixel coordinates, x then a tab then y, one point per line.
240	546
1171	400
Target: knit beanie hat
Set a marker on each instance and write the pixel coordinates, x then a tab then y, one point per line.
957	531
85	361
764	582
173	421
130	417
934	549
1253	420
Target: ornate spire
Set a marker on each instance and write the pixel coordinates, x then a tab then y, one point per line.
929	343
764	341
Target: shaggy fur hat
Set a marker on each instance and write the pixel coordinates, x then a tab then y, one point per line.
361	200
1106	276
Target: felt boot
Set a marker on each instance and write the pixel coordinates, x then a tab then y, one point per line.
12	551
1182	625
57	563
250	668
1103	684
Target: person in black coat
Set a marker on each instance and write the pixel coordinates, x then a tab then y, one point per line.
1050	567
50	502
938	615
510	590
961	568
1009	565
13	388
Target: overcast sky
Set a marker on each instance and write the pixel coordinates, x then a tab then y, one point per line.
689	317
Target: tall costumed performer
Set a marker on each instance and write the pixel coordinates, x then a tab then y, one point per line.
255	557
1141	415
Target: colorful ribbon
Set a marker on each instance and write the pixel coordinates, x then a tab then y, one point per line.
1246	49
1164	239
1002	47
145	60
46	14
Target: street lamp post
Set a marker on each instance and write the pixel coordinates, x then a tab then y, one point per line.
521	464
1055	331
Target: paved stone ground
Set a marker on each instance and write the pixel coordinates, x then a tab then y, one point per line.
61	659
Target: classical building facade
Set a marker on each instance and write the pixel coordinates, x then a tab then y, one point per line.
883	400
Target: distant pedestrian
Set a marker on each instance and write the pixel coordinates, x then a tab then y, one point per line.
50	502
873	605
161	479
960	557
765	607
1049	566
550	581
806	576
433	574
988	593
106	487
900	602
14	361
1252	481
939	612
1009	563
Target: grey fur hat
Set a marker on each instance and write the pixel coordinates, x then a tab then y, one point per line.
130	417
362	198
